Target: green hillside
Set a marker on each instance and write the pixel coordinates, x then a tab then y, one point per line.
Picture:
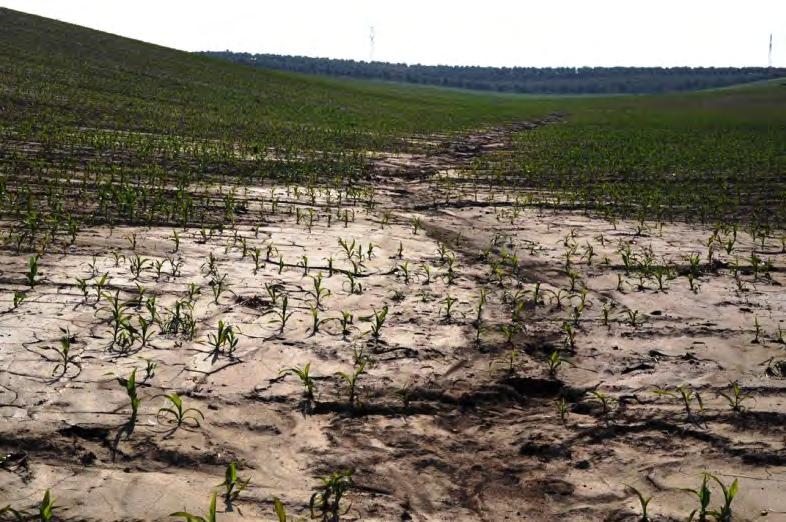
56	73
69	90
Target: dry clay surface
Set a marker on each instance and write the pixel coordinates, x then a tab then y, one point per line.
447	424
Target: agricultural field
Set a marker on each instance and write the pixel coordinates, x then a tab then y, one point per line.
233	294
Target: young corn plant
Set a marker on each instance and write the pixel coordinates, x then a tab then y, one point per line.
355	287
724	514
182	417
99	284
130	387
306	380
46	508
32	270
256	255
218	285
605	401
316	321
562	409
569	339
508	363
377	322
223	339
643	502
233	485
735	397
64	355
150	369
18	298
703	495
118	317
282	315
686	395
346	320
448	308
326	503
319	293
403	269
138	265
553	363
352	379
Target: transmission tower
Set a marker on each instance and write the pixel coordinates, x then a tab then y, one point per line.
769	54
371	37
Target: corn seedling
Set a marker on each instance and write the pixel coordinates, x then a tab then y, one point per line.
325	504
403	269
256	254
316	322
562	409
554	362
633	318
99	285
138	265
130	387
305	379
46	508
32	270
377	322
448	308
283	314
150	369
346	320
218	285
64	355
233	484
175	240
703	495
351	379
181	320
686	395
569	339
605	401
319	292
508	362
417	224
724	513
735	397
224	338
188	417
18	298
643	502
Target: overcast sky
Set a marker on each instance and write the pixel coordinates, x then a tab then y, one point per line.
456	32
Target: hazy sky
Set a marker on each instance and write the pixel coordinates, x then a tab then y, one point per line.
485	32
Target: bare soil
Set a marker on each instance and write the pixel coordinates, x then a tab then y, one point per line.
478	437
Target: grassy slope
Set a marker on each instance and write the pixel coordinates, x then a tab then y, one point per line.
68	74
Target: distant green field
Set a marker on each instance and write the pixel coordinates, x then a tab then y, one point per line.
713	155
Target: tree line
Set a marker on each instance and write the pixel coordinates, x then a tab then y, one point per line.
557	80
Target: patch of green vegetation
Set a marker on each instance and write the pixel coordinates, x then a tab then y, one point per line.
710	156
